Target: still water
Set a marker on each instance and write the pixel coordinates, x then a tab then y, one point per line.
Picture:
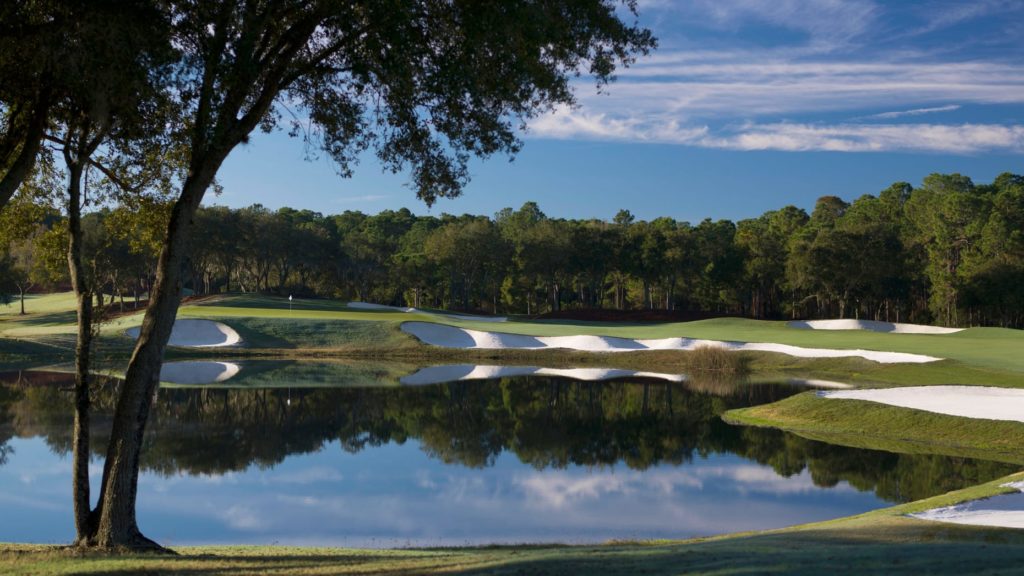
323	458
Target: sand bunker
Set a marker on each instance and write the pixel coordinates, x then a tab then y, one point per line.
197	372
986	402
457	372
454	337
872	326
816	383
1004	510
370	306
197	333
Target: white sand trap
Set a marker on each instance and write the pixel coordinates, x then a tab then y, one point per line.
985	402
197	333
459	372
471	317
454	337
872	326
197	372
1004	510
816	383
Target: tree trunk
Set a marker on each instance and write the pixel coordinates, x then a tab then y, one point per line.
119	489
21	294
83	297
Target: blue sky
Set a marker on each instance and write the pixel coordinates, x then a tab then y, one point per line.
746	106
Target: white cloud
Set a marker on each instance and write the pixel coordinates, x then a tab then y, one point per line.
914	112
776	101
941	138
788	136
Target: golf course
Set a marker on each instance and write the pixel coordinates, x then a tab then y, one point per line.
565	287
228	338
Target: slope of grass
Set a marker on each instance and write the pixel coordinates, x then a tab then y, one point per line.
863	424
880	542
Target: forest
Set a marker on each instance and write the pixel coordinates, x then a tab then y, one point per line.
948	251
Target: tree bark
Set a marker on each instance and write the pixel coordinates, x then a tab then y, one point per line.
83	296
118	526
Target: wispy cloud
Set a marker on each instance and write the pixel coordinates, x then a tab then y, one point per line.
776	100
829	24
914	112
789	136
944	15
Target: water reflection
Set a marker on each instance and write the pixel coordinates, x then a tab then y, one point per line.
513	459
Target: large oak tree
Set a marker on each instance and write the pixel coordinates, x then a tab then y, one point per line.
427	84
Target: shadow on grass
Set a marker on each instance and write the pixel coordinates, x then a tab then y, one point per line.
907	548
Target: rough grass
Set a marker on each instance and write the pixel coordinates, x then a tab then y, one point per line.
880	542
863	424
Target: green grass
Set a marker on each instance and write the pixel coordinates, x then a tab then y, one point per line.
325	327
863	424
990	348
883	541
879	542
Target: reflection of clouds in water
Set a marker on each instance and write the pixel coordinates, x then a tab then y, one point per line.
556	490
423	479
398	496
243	517
559	489
30	474
304	476
765	480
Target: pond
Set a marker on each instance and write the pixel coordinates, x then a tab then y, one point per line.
345	454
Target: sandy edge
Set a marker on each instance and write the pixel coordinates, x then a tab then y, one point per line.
454	337
981	402
871	326
198	333
1002	510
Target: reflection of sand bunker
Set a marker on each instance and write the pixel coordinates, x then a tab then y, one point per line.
984	402
370	306
455	372
197	372
453	337
872	326
197	333
1004	510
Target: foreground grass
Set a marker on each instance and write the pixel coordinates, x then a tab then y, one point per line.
883	541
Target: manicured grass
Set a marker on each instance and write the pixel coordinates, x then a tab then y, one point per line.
992	348
877	426
318	327
880	542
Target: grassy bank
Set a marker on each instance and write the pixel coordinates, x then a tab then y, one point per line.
876	426
883	541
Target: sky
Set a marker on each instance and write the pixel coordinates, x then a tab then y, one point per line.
746	106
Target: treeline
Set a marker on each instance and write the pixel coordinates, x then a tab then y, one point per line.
949	251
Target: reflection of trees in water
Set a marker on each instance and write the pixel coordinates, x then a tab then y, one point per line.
546	422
